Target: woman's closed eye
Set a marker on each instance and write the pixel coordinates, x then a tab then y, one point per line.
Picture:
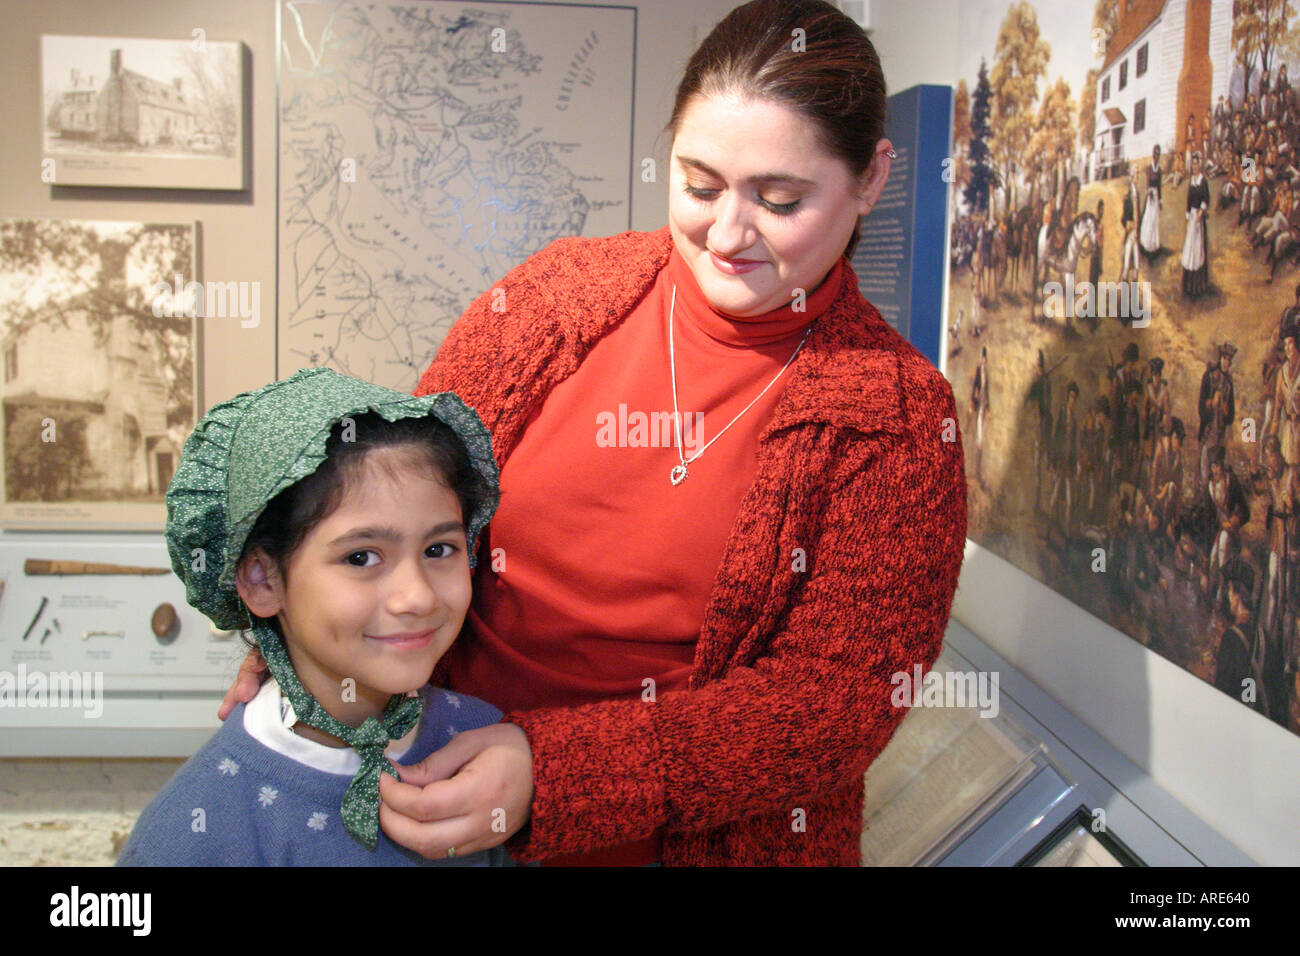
705	195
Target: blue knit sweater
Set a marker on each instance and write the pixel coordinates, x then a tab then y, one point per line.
237	802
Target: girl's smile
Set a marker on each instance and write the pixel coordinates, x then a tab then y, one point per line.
377	591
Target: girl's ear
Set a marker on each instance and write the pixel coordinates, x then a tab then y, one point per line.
259	584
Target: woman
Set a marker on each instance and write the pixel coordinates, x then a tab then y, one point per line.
1149	235
1196	247
694	644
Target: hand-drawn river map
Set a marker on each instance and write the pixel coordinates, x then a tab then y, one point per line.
425	149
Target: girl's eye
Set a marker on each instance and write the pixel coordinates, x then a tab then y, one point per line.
361	559
447	550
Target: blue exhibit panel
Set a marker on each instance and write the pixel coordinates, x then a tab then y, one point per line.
900	258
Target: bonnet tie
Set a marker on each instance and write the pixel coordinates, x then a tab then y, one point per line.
360	808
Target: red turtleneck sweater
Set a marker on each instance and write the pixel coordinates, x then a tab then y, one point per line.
609	611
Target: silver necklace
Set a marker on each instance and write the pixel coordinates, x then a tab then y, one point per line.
678	474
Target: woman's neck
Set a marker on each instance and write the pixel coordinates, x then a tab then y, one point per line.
778	325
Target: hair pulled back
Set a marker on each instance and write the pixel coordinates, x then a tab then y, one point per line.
829	73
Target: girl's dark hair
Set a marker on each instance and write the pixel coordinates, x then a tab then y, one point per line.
290	516
829	73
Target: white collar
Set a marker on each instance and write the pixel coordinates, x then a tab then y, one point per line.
268	717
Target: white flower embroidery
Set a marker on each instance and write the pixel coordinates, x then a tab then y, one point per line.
228	767
452	731
317	821
451	698
267	796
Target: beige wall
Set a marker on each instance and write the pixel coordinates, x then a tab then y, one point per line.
238	229
79	811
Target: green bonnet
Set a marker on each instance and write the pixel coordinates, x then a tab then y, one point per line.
246	451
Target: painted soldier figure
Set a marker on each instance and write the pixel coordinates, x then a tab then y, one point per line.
1217	405
1040	395
979	403
1288	325
1232	665
1129	384
1286	402
1231	513
1065	442
1167	476
1155	408
1094	457
1278	484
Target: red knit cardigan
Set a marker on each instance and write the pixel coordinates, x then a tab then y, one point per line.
839	572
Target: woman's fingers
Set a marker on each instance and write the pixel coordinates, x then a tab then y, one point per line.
428	819
472	795
440	764
247	683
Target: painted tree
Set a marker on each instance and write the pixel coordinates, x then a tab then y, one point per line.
1288	46
961	116
982	175
1105	21
1277	17
1259	31
1088	110
1019	62
1056	118
961	133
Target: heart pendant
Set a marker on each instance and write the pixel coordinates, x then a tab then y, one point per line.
678	474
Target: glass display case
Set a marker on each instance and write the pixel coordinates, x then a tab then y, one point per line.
1016	781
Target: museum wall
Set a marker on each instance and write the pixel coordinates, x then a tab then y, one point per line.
1231	767
1238	771
79	811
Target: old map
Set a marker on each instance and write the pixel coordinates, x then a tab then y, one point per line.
425	149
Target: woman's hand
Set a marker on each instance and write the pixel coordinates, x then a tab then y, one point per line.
247	683
473	794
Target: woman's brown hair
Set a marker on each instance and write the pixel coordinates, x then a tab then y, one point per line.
829	73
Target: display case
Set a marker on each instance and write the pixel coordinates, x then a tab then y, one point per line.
1016	781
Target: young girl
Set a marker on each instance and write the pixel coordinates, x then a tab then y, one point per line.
337	520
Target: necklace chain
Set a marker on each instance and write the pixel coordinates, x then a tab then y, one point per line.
679	472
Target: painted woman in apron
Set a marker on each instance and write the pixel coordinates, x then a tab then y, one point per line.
1196	244
1149	234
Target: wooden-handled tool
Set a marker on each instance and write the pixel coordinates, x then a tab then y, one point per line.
40	566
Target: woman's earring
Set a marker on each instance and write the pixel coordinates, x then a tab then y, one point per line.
891	154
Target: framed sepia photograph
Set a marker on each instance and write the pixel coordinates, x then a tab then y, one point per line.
100	385
118	111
